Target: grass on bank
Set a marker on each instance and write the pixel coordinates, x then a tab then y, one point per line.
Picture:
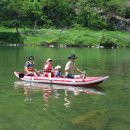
70	37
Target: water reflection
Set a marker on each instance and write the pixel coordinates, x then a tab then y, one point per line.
27	93
52	92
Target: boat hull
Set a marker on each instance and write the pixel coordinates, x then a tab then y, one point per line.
88	81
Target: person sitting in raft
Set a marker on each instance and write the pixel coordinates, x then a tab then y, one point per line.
29	67
70	67
58	71
48	68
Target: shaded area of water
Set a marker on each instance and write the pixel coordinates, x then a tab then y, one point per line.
26	106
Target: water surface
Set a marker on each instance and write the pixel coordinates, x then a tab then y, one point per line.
27	106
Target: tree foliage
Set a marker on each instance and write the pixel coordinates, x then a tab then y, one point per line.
62	13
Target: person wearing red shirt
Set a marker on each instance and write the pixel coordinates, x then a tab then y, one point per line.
48	68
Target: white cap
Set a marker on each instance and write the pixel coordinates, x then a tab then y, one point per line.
58	67
49	59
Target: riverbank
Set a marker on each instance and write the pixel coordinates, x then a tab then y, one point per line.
76	37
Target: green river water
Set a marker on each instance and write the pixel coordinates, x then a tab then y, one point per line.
28	106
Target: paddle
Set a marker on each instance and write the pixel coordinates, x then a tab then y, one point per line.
21	75
84	75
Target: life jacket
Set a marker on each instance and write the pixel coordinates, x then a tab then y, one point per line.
47	67
30	66
58	74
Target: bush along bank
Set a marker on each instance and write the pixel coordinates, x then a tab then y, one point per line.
80	37
11	39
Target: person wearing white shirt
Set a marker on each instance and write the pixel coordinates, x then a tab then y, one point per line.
70	67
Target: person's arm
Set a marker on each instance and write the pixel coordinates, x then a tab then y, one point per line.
78	70
67	67
26	67
45	67
35	70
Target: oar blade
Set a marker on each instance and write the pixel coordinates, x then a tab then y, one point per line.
21	75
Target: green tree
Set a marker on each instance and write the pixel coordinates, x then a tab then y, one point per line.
60	12
33	10
91	13
15	13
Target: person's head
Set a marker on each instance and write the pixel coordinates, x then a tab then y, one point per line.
72	57
58	68
31	58
49	60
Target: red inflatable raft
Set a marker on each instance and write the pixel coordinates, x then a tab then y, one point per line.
87	81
